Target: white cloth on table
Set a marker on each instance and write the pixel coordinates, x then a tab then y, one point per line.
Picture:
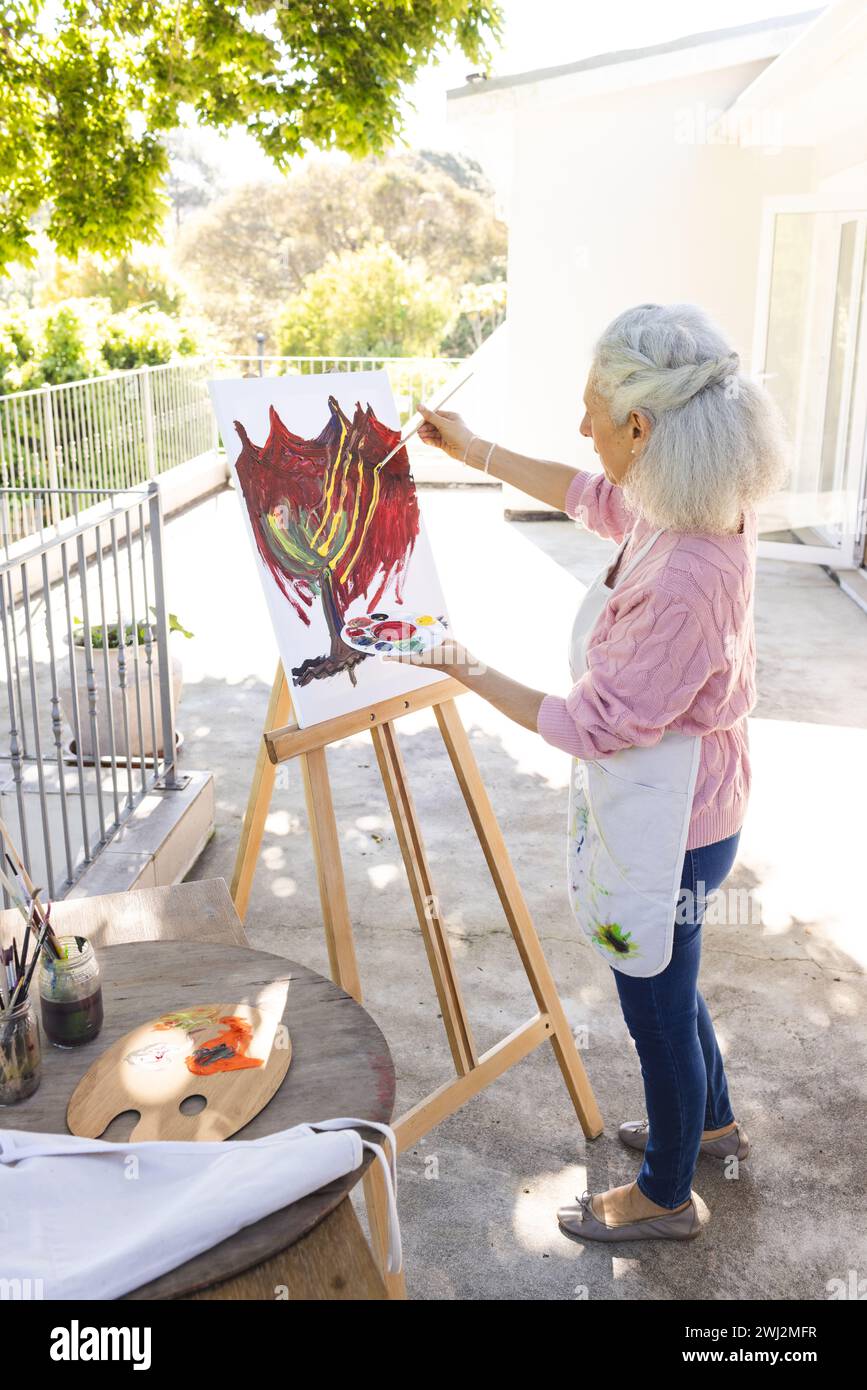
90	1219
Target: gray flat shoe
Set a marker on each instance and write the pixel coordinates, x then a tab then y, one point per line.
633	1133
578	1219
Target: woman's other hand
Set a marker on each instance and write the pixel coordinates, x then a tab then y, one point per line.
444	429
450	655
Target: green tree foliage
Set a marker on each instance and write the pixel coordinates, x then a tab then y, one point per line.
92	88
247	253
141	277
363	303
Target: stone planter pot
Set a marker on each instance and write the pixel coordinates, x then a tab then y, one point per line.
135	747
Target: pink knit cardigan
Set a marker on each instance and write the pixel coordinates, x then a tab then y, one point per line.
673	648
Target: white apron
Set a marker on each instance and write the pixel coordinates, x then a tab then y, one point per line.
629	817
91	1219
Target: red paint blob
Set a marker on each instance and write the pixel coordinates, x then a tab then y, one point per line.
393	630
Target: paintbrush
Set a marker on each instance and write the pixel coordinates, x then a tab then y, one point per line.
4	992
21	874
7	956
8	976
19	899
23	986
25	949
31	909
409	434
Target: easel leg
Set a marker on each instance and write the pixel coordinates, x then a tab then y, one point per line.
344	967
326	845
442	965
329	872
259	800
518	915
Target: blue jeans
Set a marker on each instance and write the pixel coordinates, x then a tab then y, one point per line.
684	1080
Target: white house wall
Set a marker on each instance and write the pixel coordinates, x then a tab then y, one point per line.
618	201
618	198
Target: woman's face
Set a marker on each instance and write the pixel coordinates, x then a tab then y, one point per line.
618	446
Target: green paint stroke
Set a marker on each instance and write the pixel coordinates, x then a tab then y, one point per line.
611	937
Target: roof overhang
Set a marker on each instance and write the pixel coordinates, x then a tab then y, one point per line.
813	90
628	68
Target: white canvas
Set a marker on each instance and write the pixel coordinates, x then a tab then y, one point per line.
304	496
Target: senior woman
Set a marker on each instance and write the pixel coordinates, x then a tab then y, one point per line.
663	670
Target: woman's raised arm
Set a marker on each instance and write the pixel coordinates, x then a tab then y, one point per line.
547	481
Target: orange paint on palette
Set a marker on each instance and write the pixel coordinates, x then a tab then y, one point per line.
227	1051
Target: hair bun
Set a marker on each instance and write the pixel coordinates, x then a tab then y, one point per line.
728	365
686	382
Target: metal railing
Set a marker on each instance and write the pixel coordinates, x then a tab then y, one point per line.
127	428
86	674
411	378
103	434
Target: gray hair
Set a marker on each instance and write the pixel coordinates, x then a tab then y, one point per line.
717	444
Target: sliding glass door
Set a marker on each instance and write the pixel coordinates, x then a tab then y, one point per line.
811	352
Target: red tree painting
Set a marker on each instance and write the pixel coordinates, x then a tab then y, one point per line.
332	521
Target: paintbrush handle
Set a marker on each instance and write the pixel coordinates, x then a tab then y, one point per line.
20	870
15	893
23	986
29	910
420	420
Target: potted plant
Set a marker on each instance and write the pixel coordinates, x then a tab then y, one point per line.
131	671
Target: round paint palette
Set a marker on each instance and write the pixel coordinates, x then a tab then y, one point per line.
384	634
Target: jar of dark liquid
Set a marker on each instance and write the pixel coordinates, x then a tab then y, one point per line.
71	993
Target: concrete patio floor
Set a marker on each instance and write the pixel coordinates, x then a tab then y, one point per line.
787	993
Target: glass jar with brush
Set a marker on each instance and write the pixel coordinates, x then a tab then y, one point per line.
71	993
20	1053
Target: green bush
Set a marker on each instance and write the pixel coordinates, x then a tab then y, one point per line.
72	335
144	336
20	349
366	303
81	337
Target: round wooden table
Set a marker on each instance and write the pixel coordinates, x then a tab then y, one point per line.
341	1066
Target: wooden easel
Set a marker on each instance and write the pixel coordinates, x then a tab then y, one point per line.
283	740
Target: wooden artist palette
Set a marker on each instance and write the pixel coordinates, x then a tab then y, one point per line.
233	1055
384	634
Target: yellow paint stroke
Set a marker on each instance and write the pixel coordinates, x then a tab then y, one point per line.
338	510
333	563
374	498
329	489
